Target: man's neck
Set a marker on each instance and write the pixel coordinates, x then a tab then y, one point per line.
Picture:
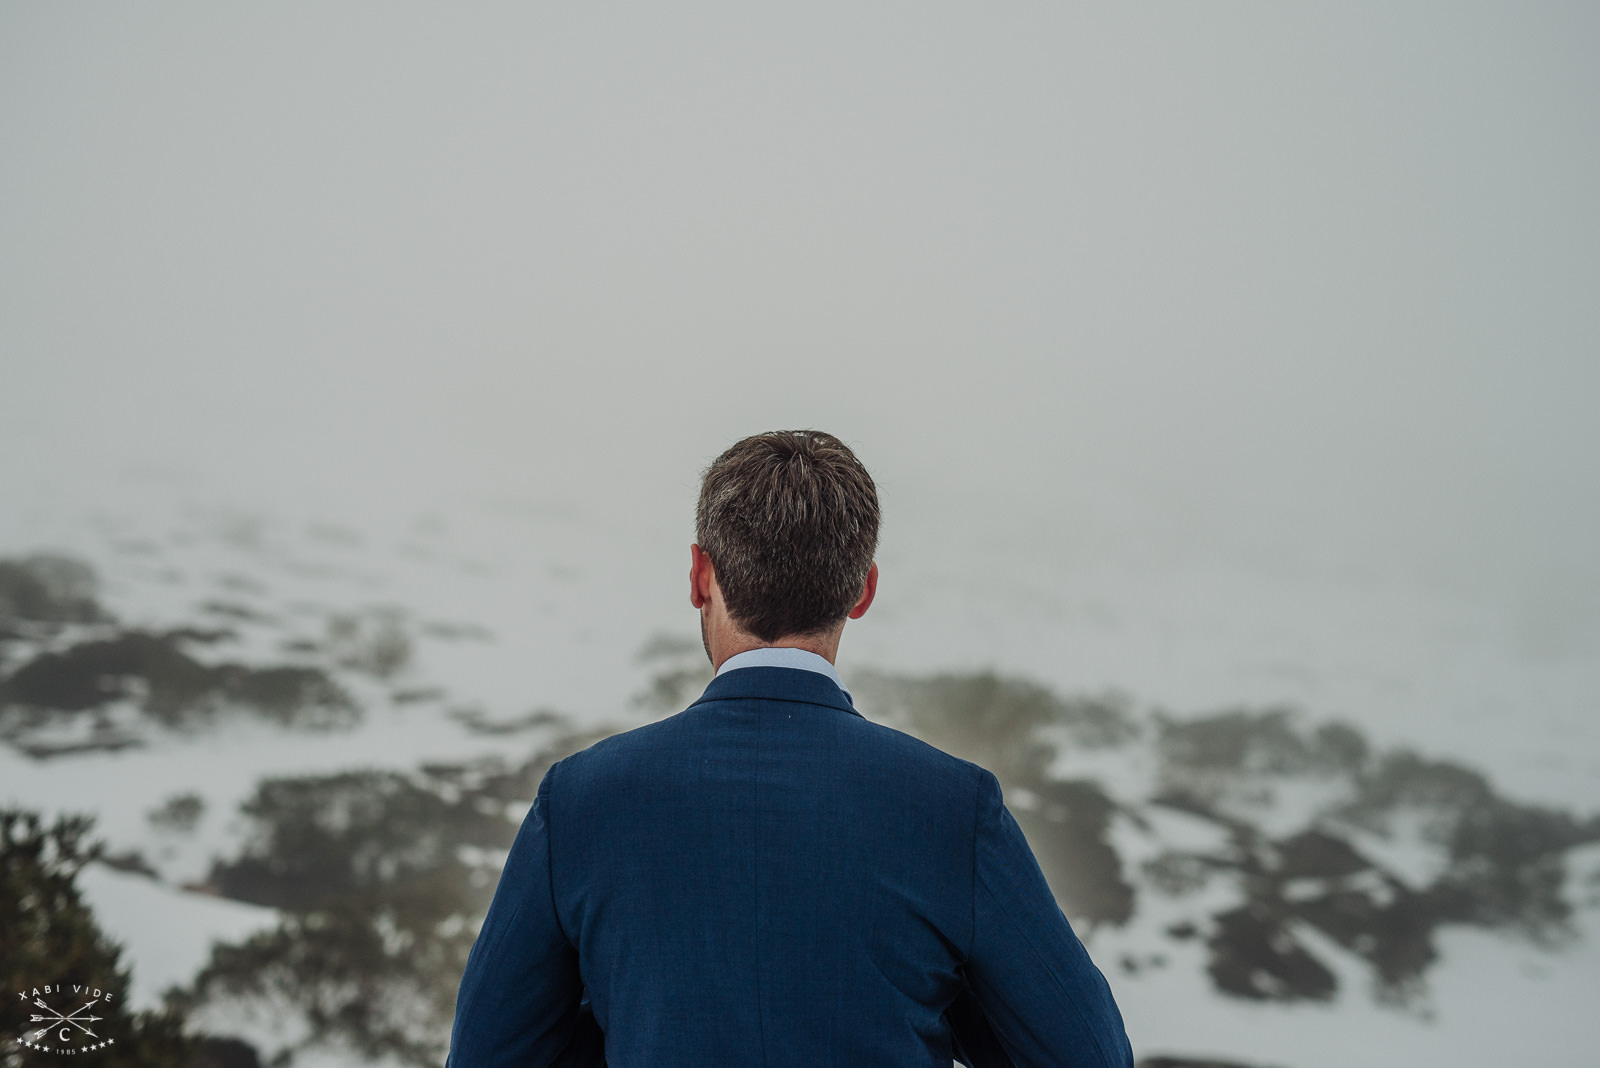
726	641
783	656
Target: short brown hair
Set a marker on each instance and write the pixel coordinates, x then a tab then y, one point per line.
789	519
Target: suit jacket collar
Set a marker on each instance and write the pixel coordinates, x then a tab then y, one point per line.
777	684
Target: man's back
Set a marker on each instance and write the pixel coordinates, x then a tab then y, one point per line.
768	878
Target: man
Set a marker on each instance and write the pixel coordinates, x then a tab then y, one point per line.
767	878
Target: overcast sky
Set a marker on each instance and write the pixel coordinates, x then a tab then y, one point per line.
1317	283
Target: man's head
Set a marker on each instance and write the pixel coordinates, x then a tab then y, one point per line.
789	521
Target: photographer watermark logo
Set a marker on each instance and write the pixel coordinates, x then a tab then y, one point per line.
63	1017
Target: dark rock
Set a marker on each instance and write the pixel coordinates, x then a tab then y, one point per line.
94	672
213	1052
474	720
1254	956
241	613
180	812
47	588
1318	853
168	684
1067	831
417	695
457	632
131	861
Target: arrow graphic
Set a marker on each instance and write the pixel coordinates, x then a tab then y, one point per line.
57	1018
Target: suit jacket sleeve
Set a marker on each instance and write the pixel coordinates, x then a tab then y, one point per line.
1044	998
520	998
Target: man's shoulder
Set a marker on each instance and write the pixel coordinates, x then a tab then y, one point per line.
649	737
705	723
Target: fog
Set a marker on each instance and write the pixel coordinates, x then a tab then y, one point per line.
1310	284
1214	353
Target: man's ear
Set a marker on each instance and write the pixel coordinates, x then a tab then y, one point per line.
699	576
867	594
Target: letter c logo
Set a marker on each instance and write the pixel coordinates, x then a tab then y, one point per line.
64	1034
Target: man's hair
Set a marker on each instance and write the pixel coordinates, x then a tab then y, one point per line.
789	519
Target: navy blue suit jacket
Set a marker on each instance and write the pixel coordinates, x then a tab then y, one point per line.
768	878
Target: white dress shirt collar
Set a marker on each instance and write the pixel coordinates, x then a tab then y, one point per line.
783	656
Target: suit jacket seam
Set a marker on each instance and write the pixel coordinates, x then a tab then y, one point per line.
972	923
546	789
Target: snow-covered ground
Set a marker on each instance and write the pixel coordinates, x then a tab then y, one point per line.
508	609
